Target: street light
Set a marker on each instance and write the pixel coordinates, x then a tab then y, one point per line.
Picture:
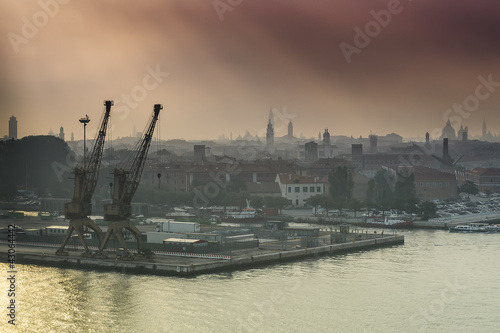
84	121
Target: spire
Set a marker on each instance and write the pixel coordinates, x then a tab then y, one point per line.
270	134
271	116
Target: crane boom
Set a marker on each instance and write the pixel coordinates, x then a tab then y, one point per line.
126	180
86	176
94	161
80	207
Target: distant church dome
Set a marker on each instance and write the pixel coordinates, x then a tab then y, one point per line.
448	131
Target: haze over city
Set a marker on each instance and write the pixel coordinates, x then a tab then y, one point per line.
218	69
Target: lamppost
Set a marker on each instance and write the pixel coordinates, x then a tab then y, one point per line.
84	121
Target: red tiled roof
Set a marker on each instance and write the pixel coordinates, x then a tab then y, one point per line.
424	174
485	171
292	178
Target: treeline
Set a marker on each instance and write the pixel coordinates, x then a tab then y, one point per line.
39	162
385	191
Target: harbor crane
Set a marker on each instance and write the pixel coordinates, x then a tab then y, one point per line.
80	207
126	181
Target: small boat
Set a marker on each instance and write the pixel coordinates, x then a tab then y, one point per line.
248	214
476	227
179	213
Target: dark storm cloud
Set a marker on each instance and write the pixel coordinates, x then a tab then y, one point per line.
263	53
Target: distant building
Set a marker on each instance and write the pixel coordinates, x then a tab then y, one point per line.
427	139
487	135
263	189
487	180
326	149
389	139
396	157
199	152
462	133
298	189
173	176
448	131
290	132
61	133
311	151
373	144
357	155
326	137
270	134
323	166
13	128
431	184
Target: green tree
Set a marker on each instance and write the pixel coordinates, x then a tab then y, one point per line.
341	186
427	210
224	198
44	163
370	192
276	202
236	185
405	194
257	201
147	252
321	200
315	201
469	188
384	189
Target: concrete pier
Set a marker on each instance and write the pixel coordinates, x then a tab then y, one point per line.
446	223
185	266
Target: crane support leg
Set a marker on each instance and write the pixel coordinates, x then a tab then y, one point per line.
116	227
78	225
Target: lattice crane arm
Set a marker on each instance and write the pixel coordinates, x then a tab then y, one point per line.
139	159
86	175
94	161
126	180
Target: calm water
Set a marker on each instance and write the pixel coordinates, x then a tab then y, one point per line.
437	282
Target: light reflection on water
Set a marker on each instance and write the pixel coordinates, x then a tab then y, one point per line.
436	282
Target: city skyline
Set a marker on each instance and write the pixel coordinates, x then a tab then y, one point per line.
219	69
283	133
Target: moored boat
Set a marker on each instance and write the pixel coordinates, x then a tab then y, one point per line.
476	227
248	214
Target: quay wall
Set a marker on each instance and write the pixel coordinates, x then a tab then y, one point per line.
210	265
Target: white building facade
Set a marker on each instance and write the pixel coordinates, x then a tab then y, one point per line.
298	189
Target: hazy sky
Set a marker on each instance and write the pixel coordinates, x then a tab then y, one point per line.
228	64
